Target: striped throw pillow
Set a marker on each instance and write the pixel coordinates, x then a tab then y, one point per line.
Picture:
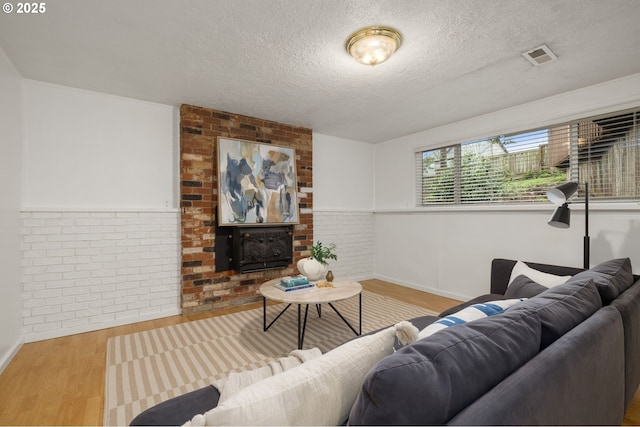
469	314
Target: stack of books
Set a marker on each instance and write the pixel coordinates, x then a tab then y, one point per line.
293	283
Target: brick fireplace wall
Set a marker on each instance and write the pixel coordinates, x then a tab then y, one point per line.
204	288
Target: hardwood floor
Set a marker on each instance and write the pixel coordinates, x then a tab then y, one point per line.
408	295
632	417
61	381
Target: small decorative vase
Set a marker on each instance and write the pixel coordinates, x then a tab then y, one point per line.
329	276
312	269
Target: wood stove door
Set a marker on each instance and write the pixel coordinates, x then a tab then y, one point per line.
278	245
261	248
253	247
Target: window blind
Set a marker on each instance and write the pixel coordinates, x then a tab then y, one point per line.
520	167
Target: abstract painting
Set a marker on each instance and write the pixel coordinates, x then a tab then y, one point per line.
256	183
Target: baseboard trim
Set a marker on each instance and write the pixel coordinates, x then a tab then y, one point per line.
423	288
8	356
57	333
360	278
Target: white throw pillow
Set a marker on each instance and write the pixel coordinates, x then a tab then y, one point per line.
318	392
469	314
545	279
236	381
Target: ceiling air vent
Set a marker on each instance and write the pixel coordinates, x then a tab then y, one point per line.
540	55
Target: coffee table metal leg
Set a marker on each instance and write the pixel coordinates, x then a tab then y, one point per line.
264	315
347	322
304	326
360	311
319	308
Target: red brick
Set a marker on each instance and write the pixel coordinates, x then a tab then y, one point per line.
212	124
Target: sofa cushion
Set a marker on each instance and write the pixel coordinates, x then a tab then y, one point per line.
628	305
563	307
523	287
180	409
442	374
469	314
576	381
318	392
611	278
545	279
476	300
423	321
501	270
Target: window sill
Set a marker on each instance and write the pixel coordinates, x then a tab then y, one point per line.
578	206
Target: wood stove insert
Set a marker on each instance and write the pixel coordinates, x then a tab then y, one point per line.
262	248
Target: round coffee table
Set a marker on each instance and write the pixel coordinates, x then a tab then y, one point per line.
342	290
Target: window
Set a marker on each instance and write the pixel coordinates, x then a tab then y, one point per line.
603	151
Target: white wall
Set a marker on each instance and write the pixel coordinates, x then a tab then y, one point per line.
87	154
449	250
343	203
88	149
342	174
100	223
10	177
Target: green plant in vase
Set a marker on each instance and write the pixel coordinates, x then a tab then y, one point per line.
315	266
323	253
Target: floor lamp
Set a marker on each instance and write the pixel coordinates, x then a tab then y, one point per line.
561	217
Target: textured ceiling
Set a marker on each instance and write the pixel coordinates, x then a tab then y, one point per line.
285	60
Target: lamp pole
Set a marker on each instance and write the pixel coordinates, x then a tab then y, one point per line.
586	242
560	195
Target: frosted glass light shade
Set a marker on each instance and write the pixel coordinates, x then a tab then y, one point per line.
373	45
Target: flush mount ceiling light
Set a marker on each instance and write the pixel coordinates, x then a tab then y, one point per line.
373	45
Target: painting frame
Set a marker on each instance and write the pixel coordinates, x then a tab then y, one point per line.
257	183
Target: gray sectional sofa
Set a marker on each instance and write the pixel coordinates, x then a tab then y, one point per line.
569	354
584	370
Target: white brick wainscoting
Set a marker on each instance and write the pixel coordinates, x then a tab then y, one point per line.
88	270
352	232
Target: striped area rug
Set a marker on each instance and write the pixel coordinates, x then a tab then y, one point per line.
146	368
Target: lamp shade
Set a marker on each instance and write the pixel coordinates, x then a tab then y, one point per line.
561	217
560	194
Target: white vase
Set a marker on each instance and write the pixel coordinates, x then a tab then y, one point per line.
312	269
